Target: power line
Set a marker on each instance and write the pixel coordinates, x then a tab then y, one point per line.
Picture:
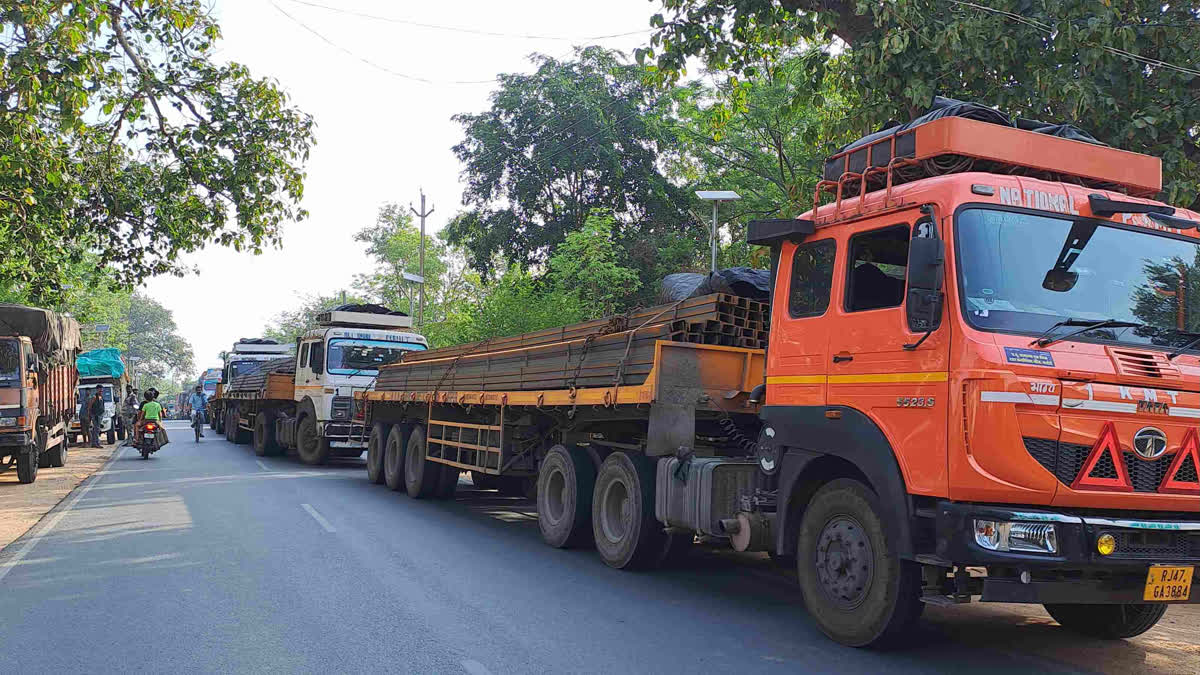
1049	30
470	31
369	62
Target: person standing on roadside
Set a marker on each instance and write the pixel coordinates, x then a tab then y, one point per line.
95	414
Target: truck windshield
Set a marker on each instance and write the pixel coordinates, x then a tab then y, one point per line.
1023	273
364	357
10	362
243	367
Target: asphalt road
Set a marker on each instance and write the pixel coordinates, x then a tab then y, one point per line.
206	558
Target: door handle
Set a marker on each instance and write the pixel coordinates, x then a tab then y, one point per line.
839	358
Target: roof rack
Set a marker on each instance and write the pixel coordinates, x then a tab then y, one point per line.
957	144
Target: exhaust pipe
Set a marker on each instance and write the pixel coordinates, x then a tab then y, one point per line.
749	531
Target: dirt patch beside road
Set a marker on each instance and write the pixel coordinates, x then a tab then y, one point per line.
22	506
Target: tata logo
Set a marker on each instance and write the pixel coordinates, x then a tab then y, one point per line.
1153	408
1149	443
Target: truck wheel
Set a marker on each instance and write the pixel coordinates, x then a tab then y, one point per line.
312	449
228	425
27	466
121	432
565	483
484	481
214	421
58	455
627	534
395	448
376	447
264	435
1109	622
111	436
859	592
421	477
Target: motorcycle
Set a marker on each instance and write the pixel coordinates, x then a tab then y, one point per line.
197	422
146	438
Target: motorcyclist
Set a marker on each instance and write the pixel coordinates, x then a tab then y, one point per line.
152	411
199	404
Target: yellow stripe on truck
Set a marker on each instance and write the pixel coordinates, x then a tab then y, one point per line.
867	378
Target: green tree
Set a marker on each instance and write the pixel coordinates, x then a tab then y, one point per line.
586	266
1171	297
571	137
154	344
290	324
1125	69
121	136
394	242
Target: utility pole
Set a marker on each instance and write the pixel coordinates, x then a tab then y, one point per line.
422	214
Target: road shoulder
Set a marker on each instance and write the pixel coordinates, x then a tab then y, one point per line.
23	506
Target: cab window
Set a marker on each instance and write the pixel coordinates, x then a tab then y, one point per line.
304	355
878	268
812	278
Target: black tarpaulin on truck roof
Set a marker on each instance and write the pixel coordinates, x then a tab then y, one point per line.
55	337
745	282
368	309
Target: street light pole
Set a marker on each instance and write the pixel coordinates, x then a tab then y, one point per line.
716	197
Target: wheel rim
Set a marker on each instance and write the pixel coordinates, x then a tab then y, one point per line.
556	495
615	512
845	562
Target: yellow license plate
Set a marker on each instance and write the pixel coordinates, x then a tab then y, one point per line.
1168	584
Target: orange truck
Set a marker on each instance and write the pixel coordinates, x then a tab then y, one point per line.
37	388
982	382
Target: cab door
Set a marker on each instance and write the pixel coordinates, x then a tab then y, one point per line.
905	392
797	360
304	374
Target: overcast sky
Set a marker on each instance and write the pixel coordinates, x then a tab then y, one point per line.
380	136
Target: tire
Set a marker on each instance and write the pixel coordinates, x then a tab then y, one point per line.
217	422
122	432
145	453
565	484
874	597
484	481
111	436
1108	622
421	477
229	425
395	450
58	456
627	534
27	466
376	447
264	435
312	449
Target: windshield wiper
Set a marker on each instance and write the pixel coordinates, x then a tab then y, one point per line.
1195	341
1085	325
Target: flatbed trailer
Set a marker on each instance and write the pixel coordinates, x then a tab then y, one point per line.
692	402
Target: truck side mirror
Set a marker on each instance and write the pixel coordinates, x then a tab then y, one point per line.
32	366
926	270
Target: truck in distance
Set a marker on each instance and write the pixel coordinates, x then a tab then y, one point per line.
982	381
246	356
102	368
37	388
305	402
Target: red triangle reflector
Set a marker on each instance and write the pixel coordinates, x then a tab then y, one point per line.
1106	444
1171	482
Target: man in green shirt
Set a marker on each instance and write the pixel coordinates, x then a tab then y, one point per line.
152	412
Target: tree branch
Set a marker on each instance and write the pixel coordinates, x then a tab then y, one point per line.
850	25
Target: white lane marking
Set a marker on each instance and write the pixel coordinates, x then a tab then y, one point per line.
1018	397
12	562
318	517
262	466
475	668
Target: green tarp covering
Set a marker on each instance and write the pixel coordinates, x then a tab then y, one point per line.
100	363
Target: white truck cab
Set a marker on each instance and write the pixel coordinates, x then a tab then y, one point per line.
340	357
247	354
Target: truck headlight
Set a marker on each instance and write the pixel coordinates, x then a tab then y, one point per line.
1000	535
